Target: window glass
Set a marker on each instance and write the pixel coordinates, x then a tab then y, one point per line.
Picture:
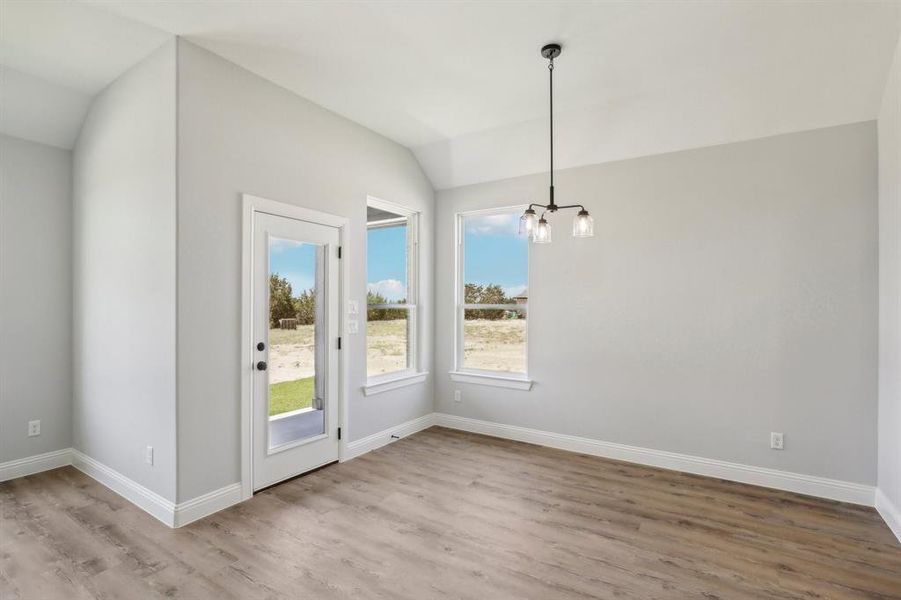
391	311
386	264
496	259
495	293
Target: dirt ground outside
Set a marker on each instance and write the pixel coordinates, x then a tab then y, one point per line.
492	345
291	350
495	345
386	347
290	354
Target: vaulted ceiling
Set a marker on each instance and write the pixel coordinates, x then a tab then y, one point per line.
463	85
54	57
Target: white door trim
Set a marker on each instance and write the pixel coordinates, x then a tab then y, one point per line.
251	206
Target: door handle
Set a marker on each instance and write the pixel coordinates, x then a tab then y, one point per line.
261	366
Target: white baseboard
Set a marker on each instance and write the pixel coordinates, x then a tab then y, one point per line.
207	504
134	492
821	487
382	438
177	515
35	464
168	512
889	513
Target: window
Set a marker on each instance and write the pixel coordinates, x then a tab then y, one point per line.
492	294
392	294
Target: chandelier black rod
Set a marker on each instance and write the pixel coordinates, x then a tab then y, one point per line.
550	70
556	207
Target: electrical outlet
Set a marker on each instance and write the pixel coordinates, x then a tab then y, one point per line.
457	396
34	428
776	441
148	455
353	327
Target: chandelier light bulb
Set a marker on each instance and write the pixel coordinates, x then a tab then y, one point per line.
583	225
542	233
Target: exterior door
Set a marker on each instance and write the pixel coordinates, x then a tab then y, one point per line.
295	347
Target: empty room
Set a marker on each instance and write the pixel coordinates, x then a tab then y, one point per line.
449	299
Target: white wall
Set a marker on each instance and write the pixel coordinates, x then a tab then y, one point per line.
238	133
35	297
728	292
889	124
124	274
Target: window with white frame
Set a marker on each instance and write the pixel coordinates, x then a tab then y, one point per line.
392	293
492	293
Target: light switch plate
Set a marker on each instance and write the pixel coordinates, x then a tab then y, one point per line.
353	307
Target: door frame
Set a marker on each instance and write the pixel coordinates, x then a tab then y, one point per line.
251	205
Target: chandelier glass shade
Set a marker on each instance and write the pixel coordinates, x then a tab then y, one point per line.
528	222
542	233
583	225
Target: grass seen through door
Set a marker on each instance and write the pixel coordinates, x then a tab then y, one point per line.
290	395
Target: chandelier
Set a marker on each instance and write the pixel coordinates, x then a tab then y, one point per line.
537	228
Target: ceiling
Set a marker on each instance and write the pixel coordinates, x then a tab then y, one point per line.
463	85
54	57
38	110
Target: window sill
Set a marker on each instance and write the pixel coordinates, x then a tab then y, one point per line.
377	386
511	383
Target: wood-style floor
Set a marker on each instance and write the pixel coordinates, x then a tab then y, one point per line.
444	514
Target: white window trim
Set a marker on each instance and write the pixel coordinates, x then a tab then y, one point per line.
517	381
392	381
511	383
412	375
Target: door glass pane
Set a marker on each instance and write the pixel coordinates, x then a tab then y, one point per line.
296	351
495	339
387	340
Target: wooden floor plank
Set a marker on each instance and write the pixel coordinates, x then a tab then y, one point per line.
451	515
